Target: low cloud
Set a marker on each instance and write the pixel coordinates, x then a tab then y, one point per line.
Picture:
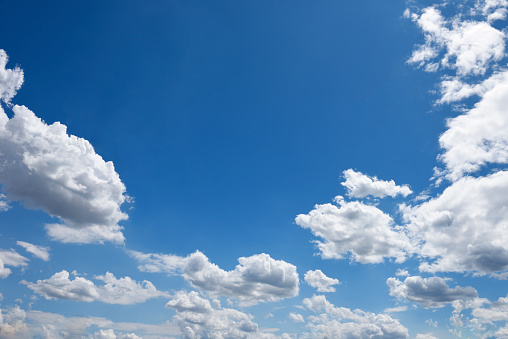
360	185
38	251
124	291
430	292
320	281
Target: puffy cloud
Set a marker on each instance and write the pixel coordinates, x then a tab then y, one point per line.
465	228
479	136
497	311
340	322
39	251
429	292
10	79
110	334
362	230
360	186
197	319
257	278
320	281
59	173
12	323
123	291
469	46
426	336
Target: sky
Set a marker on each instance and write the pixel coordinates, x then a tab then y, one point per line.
254	169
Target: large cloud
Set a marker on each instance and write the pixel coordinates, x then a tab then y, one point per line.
466	227
123	291
360	185
59	173
342	323
257	278
429	292
362	230
198	319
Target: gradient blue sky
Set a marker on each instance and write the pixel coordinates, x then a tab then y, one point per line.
225	120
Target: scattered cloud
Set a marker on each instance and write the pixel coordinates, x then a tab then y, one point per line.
257	278
339	322
38	251
124	291
353	227
320	281
360	185
296	317
395	309
197	318
10	79
430	292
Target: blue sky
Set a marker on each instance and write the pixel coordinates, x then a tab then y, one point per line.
254	169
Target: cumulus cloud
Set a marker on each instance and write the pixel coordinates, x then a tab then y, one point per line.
110	334
469	47
10	79
360	186
257	278
339	322
10	258
196	318
124	291
40	252
48	169
353	227
297	318
465	228
429	292
320	281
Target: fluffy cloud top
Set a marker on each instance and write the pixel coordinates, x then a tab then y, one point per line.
123	291
360	186
59	173
465	228
320	281
39	251
469	46
429	292
10	79
198	319
257	278
362	230
340	322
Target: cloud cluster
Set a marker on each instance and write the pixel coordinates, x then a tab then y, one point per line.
61	174
197	318
10	258
353	227
320	281
360	185
339	322
124	291
429	292
257	278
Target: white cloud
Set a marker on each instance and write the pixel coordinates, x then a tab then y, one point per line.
110	334
340	322
464	229
10	258
395	309
479	136
362	230
39	251
197	319
257	278
320	281
296	317
360	186
470	47
61	174
426	336
16	323
429	292
124	291
10	79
